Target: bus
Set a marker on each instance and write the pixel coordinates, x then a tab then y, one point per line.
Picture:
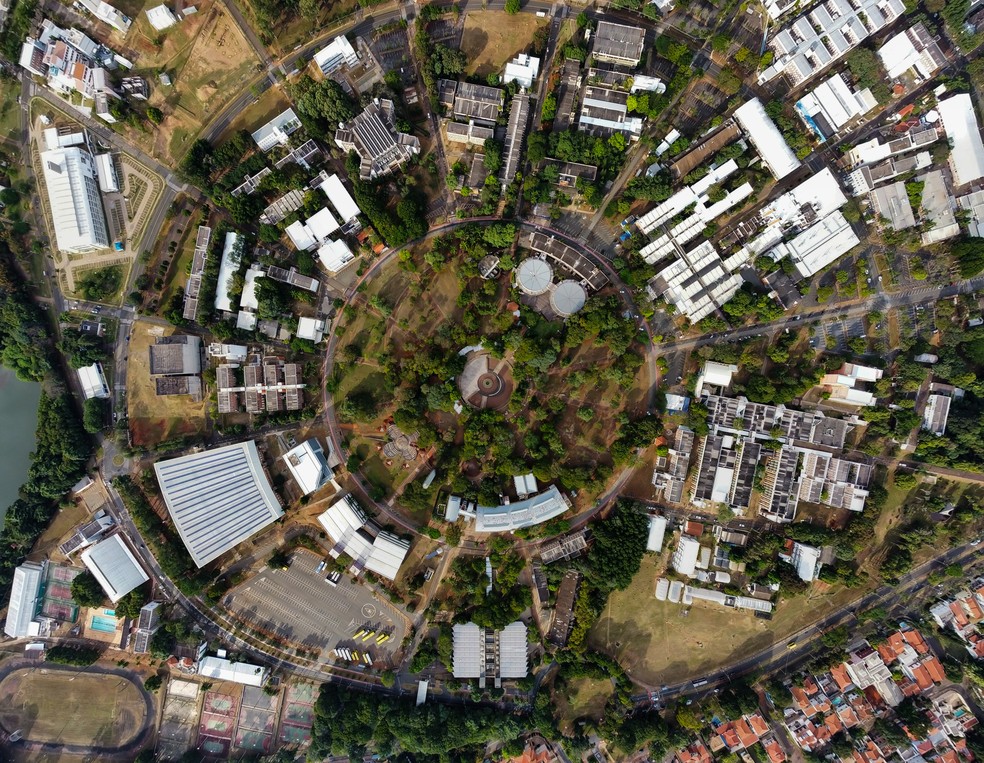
369	635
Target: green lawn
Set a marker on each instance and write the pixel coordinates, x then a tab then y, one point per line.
9	109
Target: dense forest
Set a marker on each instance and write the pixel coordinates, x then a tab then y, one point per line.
24	336
346	722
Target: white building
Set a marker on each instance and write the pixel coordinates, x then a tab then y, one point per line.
115	567
335	255
715	374
699	282
93	381
311	329
843	384
231	353
913	49
935	414
765	136
107	13
277	131
72	184
512	516
818	246
485	653
221	669
338	53
348	527
313	232
217	498
308	466
685	557
522	70
25	601
231	252
832	104
339	197
806	560
963	132
108	181
161	17
657	531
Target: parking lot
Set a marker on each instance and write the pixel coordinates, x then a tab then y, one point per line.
299	605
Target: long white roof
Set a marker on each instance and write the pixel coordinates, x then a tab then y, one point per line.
72	184
960	123
238	672
114	566
467	651
335	255
25	595
765	136
217	498
93	381
340	198
540	508
227	267
513	647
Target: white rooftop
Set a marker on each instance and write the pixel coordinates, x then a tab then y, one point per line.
217	498
335	255
248	300
532	511
657	530
93	381
310	328
765	136
685	557
114	566
161	17
322	224
222	669
227	268
963	131
308	466
522	69
340	198
345	523
301	236
25	599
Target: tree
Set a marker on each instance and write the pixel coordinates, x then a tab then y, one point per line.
153	683
512	6
94	414
493	155
82	349
9	196
86	591
155	115
101	283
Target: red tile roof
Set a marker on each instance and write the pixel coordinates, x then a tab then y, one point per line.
921	675
833	722
774	751
758	724
841	677
746	736
916	641
695	753
935	668
958	614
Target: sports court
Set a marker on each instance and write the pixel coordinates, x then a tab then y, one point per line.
217	723
58	603
257	716
298	713
299	605
178	720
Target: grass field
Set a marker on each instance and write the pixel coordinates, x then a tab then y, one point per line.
271	103
584	698
491	38
155	419
71	708
9	109
658	644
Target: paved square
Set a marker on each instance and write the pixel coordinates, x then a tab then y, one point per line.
299	605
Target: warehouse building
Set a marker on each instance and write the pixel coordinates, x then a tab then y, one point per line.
915	50
217	498
485	654
470	134
511	516
480	103
25	601
350	530
519	119
605	112
221	669
115	567
71	182
618	44
374	137
891	203
522	70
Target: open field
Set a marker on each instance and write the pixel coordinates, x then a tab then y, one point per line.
155	419
208	60
295	28
272	102
584	698
10	89
491	38
659	644
69	707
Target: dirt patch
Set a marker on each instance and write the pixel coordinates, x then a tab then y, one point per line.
583	698
491	38
71	708
156	419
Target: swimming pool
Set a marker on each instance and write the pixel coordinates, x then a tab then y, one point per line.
110	612
103	624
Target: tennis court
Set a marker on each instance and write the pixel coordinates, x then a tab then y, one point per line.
257	716
179	719
58	603
218	717
298	713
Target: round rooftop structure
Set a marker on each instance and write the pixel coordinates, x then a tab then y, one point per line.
568	298
534	276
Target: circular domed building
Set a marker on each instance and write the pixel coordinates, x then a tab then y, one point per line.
568	298
533	277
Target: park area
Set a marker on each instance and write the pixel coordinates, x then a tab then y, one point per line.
72	707
659	642
155	419
561	386
209	62
491	38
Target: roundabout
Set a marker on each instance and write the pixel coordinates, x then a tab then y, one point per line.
542	391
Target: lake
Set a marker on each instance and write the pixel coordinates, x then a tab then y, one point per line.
19	418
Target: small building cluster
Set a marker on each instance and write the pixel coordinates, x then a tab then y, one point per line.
176	365
370	548
374	137
510	515
963	614
267	384
490	655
